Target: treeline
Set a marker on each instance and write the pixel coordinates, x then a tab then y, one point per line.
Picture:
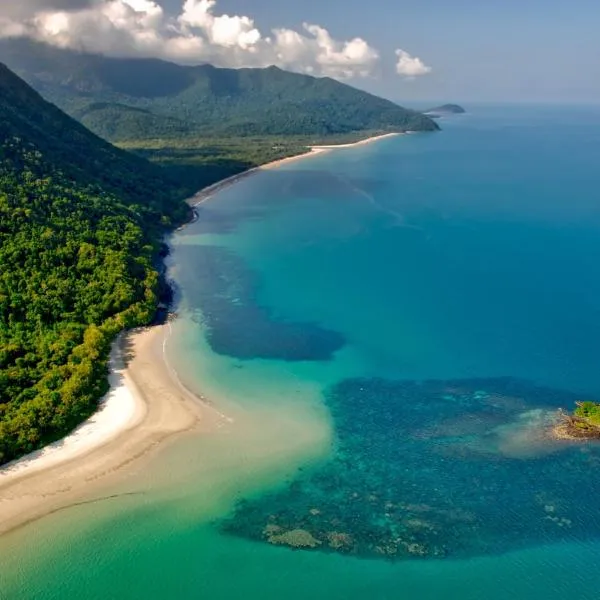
80	229
76	269
196	163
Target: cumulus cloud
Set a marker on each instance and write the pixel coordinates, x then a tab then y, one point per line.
198	34
410	66
12	13
322	54
26	8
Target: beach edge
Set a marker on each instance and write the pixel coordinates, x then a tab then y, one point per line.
156	408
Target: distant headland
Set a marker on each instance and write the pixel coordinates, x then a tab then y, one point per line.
444	110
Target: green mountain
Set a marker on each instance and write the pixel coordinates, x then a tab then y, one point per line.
143	99
80	228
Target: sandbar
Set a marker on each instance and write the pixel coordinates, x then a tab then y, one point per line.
146	406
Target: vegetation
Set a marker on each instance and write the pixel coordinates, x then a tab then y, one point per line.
80	227
583	423
198	162
125	100
590	411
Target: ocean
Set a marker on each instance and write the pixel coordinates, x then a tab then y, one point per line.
390	330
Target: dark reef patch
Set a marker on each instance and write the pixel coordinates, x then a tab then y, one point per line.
210	220
429	469
225	289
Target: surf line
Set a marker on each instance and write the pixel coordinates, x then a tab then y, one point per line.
174	375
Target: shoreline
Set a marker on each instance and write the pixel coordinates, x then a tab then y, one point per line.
145	405
118	411
572	428
207	193
82	465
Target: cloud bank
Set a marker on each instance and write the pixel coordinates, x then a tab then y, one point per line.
197	34
410	66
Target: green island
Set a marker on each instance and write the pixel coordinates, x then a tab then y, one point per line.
582	423
445	110
82	220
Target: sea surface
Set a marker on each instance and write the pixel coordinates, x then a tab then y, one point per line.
390	330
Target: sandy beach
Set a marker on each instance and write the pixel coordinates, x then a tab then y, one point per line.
146	406
364	142
208	192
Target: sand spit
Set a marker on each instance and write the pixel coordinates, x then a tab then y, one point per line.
145	407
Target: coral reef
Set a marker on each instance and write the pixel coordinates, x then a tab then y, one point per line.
225	289
420	470
296	538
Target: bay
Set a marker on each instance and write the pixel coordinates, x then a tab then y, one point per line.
390	328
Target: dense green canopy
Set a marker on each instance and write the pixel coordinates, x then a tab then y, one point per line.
140	99
80	224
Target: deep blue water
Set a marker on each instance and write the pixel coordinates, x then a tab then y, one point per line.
468	253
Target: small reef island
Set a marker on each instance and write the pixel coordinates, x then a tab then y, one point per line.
444	110
583	423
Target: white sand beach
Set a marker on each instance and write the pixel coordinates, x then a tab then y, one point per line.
120	410
145	407
208	192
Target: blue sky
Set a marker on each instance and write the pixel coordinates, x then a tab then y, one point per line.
478	49
452	50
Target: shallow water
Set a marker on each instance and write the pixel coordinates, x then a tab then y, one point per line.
390	329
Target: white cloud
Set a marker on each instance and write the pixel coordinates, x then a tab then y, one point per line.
410	66
25	8
196	35
321	54
223	30
11	28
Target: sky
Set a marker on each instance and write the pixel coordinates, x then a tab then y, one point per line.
407	50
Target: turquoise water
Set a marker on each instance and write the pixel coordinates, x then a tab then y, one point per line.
391	328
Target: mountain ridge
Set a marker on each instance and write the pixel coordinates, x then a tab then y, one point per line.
200	100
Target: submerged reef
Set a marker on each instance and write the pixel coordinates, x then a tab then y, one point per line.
433	469
225	290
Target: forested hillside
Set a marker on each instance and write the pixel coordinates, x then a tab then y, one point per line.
146	99
80	224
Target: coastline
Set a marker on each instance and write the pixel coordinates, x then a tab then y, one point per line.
208	192
573	428
118	411
150	405
146	405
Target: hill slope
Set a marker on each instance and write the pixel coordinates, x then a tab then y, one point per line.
134	99
80	223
